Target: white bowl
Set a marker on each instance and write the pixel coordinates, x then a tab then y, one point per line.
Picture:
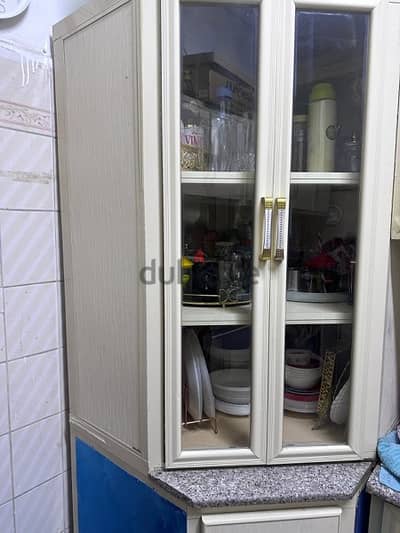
298	357
231	385
229	358
303	378
232	408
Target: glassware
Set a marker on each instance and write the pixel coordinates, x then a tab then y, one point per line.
194	135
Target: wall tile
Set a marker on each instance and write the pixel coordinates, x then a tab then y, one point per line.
34	388
4	424
41	510
26	171
7	518
33	321
36	454
2	334
5	469
26	95
29	252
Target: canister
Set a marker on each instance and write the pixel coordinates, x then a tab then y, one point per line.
322	129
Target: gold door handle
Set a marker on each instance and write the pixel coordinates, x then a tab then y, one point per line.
266	243
280	204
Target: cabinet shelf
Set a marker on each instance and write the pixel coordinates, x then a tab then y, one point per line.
296	313
217	177
219	316
318	313
325	178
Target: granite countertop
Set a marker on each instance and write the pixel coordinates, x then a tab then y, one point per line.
219	487
375	487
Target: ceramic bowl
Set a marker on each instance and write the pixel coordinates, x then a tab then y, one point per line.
304	377
231	385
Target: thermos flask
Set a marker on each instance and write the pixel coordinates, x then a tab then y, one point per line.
322	129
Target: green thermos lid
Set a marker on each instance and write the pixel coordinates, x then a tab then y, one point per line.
322	91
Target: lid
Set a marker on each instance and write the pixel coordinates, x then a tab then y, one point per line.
224	92
322	91
299	118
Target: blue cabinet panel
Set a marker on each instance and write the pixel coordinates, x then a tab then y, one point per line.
112	501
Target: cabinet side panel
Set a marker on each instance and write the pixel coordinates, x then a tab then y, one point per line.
396	192
101	220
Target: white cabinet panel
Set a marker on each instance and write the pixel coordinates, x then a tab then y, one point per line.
101	225
391	519
292	521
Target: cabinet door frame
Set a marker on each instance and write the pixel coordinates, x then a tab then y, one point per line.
374	234
256	454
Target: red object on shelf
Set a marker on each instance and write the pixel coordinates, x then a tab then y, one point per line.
199	257
321	262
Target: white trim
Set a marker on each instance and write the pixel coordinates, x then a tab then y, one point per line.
372	243
170	47
325	178
373	254
172	224
270	516
344	5
316	454
285	21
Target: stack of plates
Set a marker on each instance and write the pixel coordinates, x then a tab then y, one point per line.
232	390
301	401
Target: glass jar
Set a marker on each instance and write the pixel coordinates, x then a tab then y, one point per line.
194	135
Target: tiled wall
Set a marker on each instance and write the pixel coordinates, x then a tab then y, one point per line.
33	453
33	462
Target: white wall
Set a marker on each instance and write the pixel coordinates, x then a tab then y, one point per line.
33	459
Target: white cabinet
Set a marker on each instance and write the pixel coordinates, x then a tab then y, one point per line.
384	517
221	290
287	521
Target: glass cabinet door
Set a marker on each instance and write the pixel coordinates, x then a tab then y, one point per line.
217	218
329	92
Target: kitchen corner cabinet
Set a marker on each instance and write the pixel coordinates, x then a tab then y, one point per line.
226	175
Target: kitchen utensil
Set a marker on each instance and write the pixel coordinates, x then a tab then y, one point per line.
299	143
293	277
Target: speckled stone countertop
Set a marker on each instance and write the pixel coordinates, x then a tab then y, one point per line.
219	487
375	487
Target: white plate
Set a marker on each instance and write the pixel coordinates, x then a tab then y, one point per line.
208	396
12	8
300	407
232	408
232	385
316	297
193	376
